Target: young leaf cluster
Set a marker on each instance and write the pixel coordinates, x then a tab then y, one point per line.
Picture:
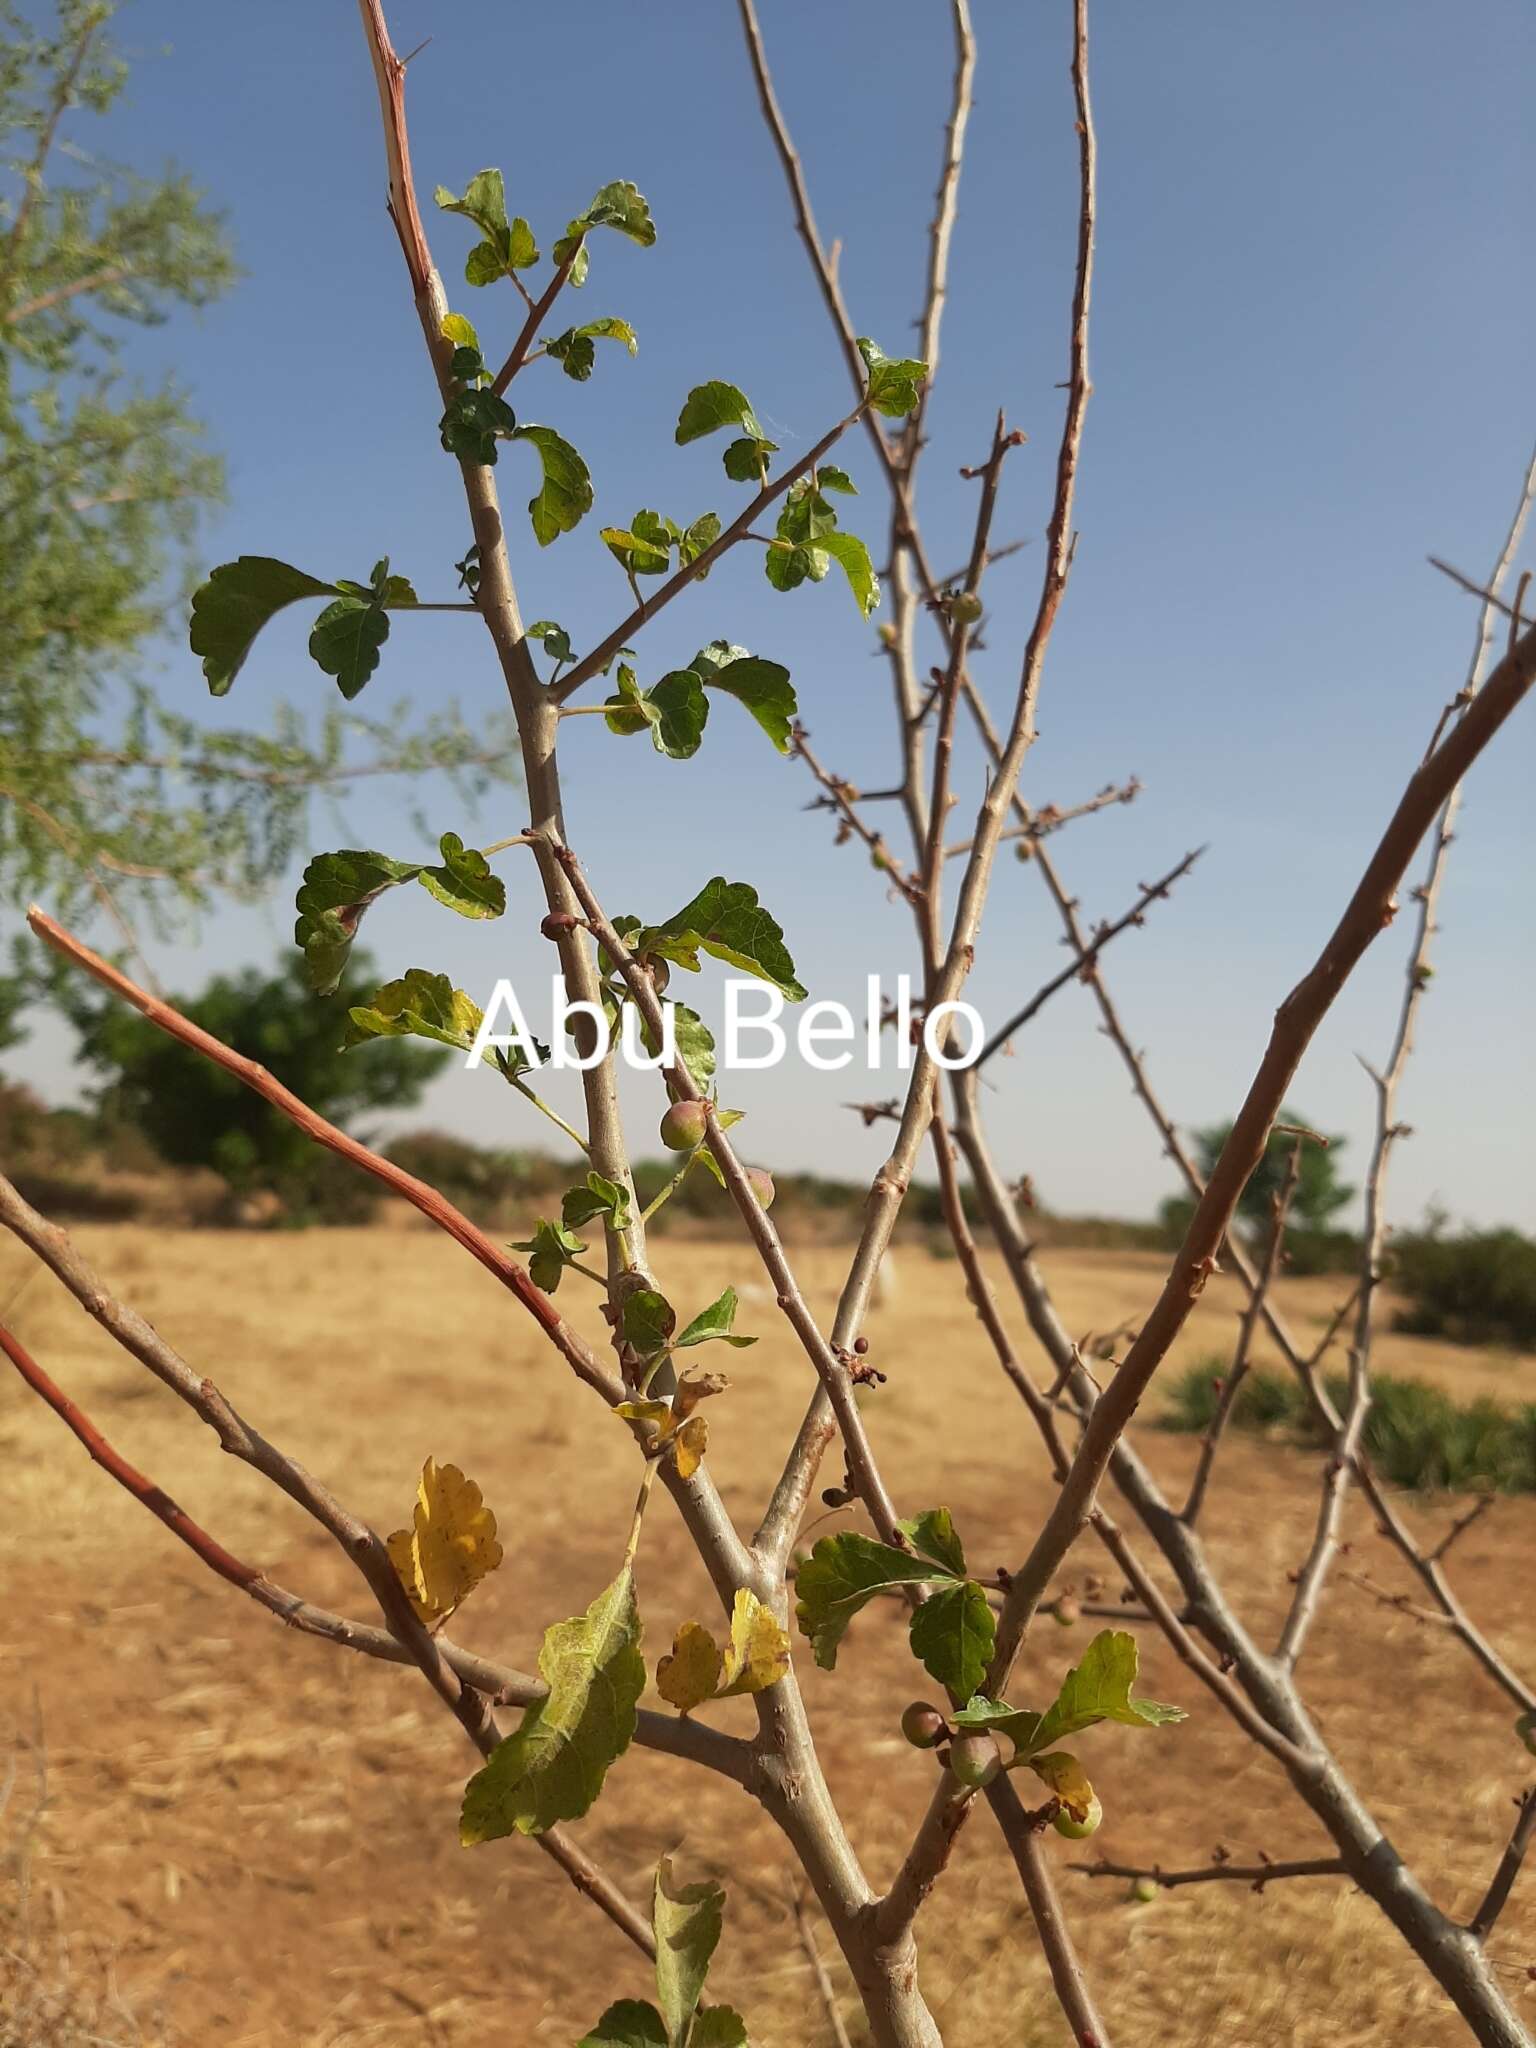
338	888
686	1920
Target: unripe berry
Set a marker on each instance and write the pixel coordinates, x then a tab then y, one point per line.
975	1759
965	608
1066	1611
683	1126
760	1181
1079	1830
923	1726
1144	1891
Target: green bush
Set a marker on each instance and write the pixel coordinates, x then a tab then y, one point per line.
1476	1288
1415	1435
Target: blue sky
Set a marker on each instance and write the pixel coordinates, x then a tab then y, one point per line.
1311	357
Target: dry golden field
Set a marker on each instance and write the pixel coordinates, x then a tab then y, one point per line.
250	1835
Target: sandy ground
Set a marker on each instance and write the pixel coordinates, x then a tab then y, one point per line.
256	1831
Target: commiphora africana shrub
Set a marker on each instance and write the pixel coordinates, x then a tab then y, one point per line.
547	1741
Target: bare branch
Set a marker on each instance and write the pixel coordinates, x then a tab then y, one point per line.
1021	1833
1256	1875
1051	817
1482	1922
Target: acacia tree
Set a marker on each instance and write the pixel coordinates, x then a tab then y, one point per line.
108	797
583	1710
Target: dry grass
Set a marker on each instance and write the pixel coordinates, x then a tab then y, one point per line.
260	1830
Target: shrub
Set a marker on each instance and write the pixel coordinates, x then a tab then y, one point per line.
1415	1435
1476	1288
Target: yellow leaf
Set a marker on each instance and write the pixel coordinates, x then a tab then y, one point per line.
695	1387
1064	1774
450	1546
689	1676
690	1441
651	1421
759	1653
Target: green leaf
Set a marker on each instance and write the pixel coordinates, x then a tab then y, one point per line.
464	881
953	1635
566	495
1099	1689
687	1919
787	566
746	462
508	245
932	1534
618	206
695	1045
335	891
460	331
419	1005
230	609
714	1322
574	350
830	478
646	1320
841	1574
709	407
552	1248
805	515
676	711
721	2026
697	540
726	920
555	639
553	1767
600	1197
765	690
346	640
476	419
850	553
632	2023
893	384
1017	1723
644	547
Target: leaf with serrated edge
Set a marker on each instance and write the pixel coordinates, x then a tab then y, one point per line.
646	1320
631	2023
726	919
1099	1689
687	1919
841	1574
758	1655
719	2026
335	891
451	1545
708	407
852	556
419	1005
464	881
763	688
932	1534
690	1675
553	1767
953	1635
238	599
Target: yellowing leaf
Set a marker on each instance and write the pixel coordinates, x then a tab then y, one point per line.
695	1387
689	1676
651	1421
689	1445
759	1652
451	1545
1064	1774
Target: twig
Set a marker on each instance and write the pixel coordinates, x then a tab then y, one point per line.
842	799
1150	893
824	1989
1024	1844
534	321
1482	1922
1051	817
1238	1371
1256	1875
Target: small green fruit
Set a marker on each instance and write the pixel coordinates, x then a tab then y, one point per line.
923	1726
1079	1830
975	1759
1144	1891
760	1181
1066	1611
965	608
889	637
683	1127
